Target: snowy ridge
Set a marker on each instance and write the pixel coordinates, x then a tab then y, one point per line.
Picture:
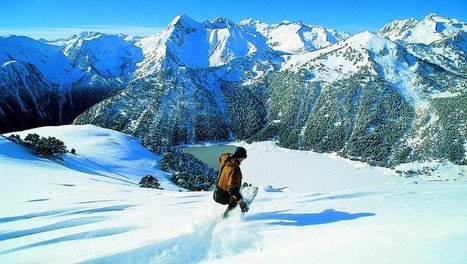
439	40
294	38
66	61
58	80
384	57
229	41
430	29
48	59
111	56
85	35
187	43
398	29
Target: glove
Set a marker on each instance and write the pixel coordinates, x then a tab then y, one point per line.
243	206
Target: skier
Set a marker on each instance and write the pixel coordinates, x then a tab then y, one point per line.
230	179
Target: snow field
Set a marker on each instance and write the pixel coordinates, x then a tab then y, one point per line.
332	211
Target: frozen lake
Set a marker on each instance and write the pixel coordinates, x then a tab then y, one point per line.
209	154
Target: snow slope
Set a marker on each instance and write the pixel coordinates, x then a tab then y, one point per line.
333	211
293	38
362	50
112	56
49	59
105	153
188	43
430	29
439	40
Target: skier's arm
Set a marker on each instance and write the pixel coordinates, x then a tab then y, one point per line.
235	182
236	193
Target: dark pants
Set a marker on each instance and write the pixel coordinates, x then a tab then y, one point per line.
230	208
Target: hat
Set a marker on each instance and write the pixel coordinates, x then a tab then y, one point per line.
240	153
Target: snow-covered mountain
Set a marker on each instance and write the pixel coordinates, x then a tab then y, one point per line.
368	98
293	38
187	43
52	82
380	56
79	71
49	60
430	29
440	40
106	56
391	103
306	86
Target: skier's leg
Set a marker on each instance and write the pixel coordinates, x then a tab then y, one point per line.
230	208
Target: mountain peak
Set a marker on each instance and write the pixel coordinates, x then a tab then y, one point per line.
399	25
89	34
437	18
182	19
363	37
250	22
370	41
83	35
431	15
222	22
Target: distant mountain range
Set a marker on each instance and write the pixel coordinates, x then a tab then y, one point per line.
387	97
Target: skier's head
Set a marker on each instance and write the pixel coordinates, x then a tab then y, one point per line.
240	153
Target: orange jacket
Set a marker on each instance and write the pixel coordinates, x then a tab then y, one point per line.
230	178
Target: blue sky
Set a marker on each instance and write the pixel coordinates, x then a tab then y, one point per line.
60	18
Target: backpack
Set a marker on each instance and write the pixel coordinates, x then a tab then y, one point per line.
219	195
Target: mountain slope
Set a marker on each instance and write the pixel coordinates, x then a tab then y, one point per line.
430	29
365	97
333	210
437	39
45	83
77	72
102	154
181	106
26	97
187	43
48	59
362	97
104	56
292	37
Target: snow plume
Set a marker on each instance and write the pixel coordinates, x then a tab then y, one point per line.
208	237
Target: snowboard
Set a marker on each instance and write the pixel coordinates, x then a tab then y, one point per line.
249	193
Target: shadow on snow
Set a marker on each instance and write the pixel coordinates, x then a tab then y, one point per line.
59	225
66	211
287	219
78	236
